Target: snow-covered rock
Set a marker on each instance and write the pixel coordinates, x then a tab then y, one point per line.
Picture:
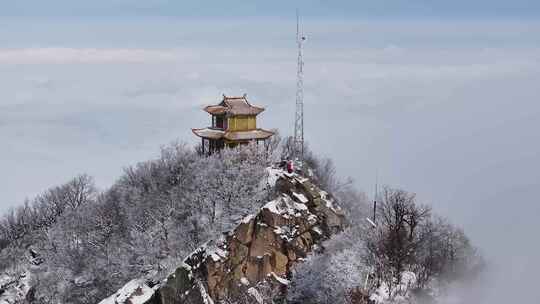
134	292
263	248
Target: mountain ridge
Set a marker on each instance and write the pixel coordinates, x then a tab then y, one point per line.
258	253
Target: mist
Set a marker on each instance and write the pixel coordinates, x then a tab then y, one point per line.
447	110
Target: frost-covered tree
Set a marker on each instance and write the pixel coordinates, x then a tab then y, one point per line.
90	243
327	278
146	223
363	260
409	238
232	185
445	255
25	226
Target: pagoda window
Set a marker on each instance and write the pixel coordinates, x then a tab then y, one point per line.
218	121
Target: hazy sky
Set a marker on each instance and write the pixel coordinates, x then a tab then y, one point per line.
439	97
240	8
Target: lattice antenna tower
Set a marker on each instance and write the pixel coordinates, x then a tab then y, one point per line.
299	115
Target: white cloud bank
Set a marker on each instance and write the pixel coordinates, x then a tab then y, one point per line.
452	117
52	55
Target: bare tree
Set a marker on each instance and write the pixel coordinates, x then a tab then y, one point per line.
392	247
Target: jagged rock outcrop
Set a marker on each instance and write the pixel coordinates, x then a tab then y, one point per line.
262	249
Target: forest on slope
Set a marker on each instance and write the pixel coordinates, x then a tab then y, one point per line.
78	244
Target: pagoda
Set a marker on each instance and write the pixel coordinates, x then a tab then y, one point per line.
234	122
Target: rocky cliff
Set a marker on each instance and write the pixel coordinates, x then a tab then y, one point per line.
256	258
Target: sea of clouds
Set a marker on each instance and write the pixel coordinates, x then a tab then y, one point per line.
448	110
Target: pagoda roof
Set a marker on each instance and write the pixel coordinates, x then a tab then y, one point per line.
234	106
211	133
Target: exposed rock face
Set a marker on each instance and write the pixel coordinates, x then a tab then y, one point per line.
262	248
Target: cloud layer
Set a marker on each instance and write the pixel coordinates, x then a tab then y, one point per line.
51	55
449	114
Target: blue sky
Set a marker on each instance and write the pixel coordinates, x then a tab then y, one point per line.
439	97
236	8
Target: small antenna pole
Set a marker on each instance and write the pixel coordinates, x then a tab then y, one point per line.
375	197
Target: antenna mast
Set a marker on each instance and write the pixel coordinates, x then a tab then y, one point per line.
299	116
375	198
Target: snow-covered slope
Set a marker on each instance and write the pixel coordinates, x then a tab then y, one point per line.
134	292
257	256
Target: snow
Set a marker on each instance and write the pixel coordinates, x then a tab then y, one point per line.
281	280
197	256
255	294
284	205
371	222
312	219
279	231
317	230
381	294
408	279
82	280
186	266
273	175
301	179
272	206
302	198
206	298
15	286
218	254
298	206
207	132
328	201
398	294
244	281
215	257
222	253
248	219
134	292
286	233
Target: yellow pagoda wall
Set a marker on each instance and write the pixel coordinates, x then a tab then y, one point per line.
242	123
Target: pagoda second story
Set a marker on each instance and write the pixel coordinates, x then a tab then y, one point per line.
234	122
